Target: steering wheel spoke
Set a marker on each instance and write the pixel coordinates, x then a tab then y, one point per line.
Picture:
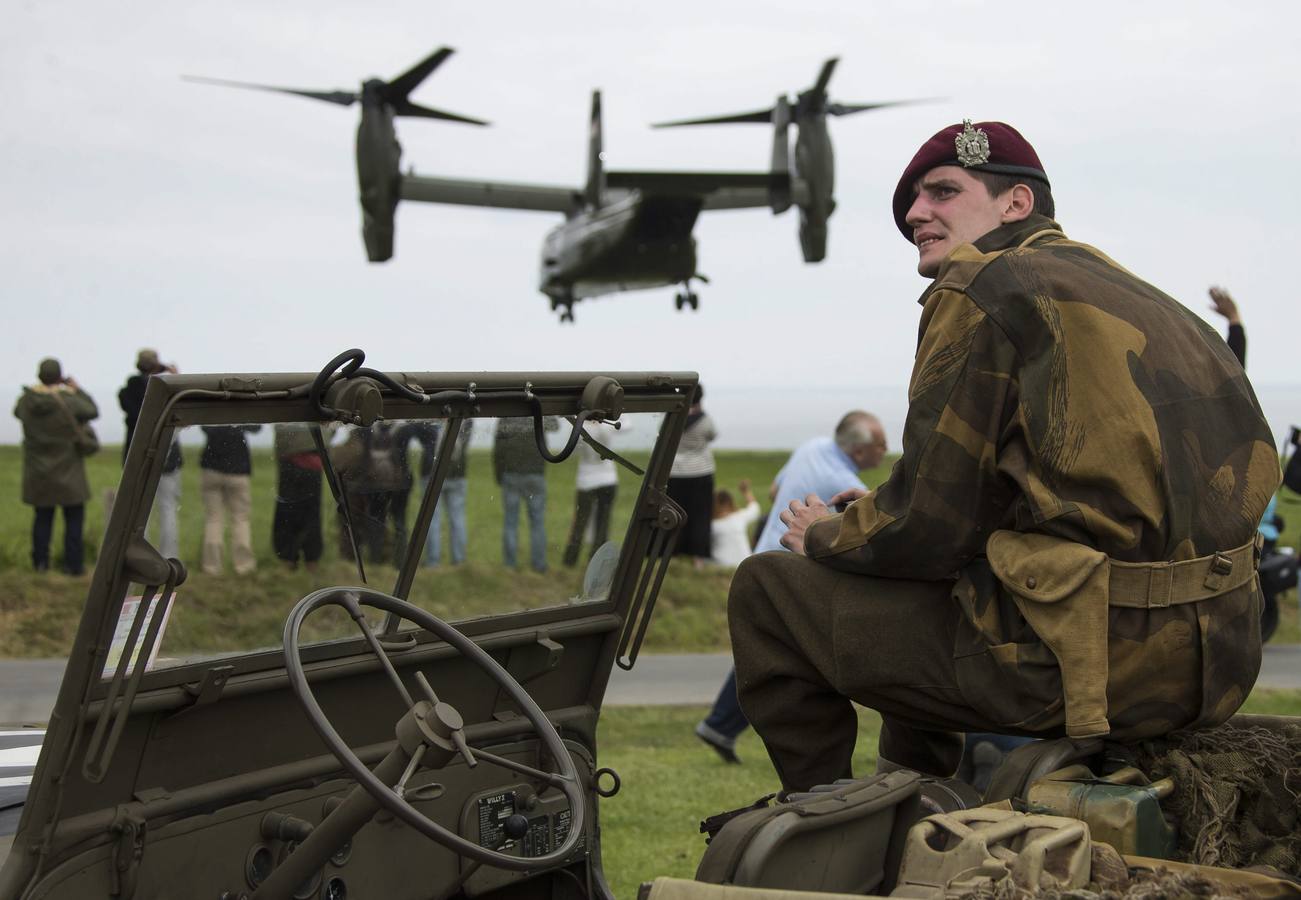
352	603
426	687
431	732
551	778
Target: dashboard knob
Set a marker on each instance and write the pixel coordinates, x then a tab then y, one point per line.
516	826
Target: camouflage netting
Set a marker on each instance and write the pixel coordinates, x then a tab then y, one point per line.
1237	799
1161	884
1110	879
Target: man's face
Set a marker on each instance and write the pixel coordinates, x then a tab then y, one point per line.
869	456
952	207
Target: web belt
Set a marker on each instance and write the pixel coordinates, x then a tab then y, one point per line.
1162	584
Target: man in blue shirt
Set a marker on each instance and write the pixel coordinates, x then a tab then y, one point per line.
824	467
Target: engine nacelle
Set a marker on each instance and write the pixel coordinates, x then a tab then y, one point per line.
378	177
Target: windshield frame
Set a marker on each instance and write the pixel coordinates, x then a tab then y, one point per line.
177	401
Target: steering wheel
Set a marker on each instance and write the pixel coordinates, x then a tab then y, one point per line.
431	730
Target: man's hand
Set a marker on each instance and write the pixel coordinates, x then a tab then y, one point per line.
1223	304
847	496
798	518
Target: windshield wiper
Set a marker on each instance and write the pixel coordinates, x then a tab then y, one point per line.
603	451
336	489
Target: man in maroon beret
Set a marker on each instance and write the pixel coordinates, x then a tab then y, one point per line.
1065	548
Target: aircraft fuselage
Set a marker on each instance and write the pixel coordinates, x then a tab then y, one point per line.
629	242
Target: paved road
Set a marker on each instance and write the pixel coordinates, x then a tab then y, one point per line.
28	686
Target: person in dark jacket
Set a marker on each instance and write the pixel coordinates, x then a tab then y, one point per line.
53	411
375	472
1222	302
296	527
519	469
167	499
226	480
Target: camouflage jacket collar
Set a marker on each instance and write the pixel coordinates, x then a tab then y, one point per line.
1005	237
1014	234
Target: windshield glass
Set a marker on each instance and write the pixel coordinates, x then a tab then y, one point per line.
259	527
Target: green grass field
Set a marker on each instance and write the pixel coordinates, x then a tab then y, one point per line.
39	613
671	782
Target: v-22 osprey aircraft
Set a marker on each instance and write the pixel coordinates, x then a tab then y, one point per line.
623	230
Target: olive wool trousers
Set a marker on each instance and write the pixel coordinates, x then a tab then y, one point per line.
810	641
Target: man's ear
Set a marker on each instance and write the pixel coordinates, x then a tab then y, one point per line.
1018	203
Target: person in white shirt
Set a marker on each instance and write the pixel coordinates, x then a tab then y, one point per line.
596	483
691	482
823	466
730	528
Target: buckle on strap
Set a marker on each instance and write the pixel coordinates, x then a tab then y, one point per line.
1159	585
1220	569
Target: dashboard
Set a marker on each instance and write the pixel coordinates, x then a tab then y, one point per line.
224	854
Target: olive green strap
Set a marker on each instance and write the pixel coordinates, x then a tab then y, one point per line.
1157	585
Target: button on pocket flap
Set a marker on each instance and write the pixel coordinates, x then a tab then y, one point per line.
1040	567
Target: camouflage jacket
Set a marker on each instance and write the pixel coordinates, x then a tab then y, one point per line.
1055	394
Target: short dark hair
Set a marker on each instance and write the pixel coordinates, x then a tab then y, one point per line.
723	504
998	184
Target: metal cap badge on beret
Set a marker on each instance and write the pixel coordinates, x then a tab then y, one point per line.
984	146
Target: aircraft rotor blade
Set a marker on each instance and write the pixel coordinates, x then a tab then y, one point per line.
415	110
404	84
762	116
824	77
848	109
340	98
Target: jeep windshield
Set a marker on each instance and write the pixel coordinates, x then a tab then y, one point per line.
403	702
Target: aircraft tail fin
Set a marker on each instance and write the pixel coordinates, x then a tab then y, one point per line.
595	187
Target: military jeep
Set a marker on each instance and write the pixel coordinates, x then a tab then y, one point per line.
379	733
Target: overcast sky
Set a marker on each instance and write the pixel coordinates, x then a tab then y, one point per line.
221	227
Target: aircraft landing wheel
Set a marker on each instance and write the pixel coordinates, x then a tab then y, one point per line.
679	301
567	316
693	300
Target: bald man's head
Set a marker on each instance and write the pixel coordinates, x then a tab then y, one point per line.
862	438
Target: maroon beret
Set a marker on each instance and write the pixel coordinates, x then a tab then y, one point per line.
985	146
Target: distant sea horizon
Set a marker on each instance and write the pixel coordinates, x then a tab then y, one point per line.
747	417
753	418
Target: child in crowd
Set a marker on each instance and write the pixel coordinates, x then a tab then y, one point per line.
730	527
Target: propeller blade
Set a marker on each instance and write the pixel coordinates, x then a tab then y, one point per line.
407	108
404	84
763	116
825	75
848	109
341	98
